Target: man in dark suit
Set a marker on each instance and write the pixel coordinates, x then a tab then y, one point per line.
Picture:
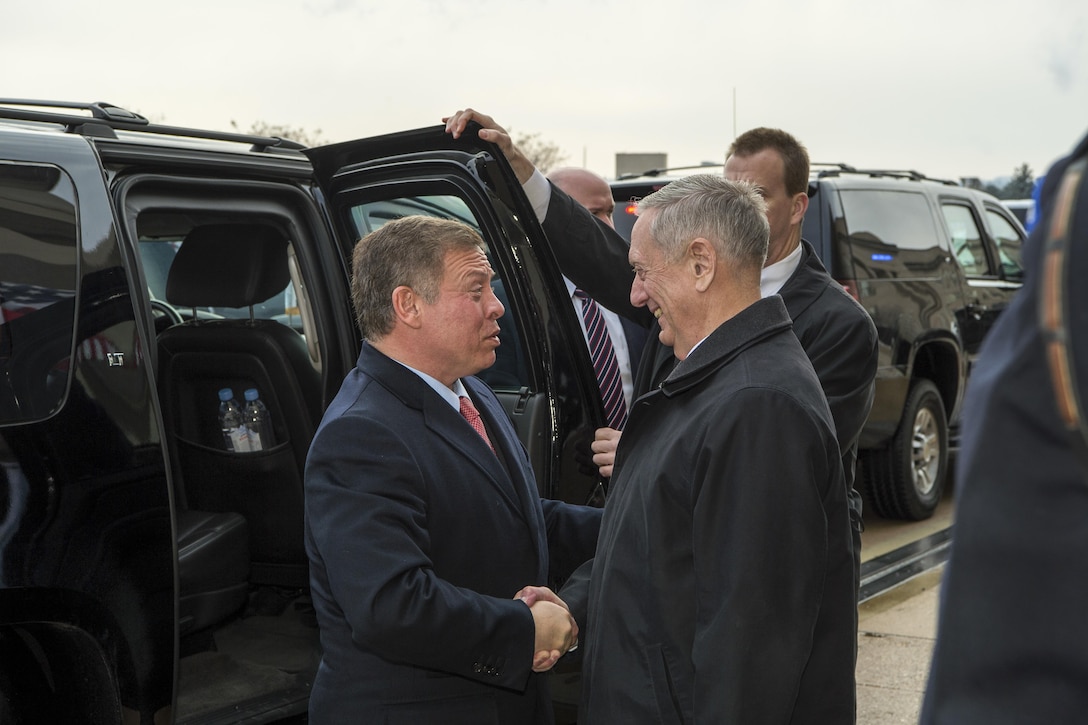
628	337
594	193
422	517
1012	628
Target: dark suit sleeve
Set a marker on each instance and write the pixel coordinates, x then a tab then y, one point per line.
370	524
593	255
572	535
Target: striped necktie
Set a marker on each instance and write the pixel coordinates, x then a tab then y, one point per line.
604	362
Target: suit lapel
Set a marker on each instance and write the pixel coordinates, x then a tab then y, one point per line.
448	424
440	418
521	477
517	485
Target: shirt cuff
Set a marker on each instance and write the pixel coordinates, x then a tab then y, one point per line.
539	192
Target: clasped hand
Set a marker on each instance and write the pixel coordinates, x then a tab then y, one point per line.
556	630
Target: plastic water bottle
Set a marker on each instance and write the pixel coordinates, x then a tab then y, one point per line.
259	422
231	420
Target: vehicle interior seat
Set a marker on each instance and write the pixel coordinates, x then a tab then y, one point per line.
213	568
239	265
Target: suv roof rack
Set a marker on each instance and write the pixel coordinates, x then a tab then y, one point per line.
105	118
838	168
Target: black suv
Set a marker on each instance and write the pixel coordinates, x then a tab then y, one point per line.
147	572
934	263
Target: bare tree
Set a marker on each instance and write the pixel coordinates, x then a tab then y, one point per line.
545	155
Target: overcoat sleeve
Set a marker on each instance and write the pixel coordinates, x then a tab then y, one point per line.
572	536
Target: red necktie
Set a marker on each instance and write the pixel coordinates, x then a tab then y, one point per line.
469	412
604	362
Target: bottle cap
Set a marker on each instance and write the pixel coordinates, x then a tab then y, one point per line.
251	394
226	394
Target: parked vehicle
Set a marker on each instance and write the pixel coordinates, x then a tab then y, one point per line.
934	263
1023	210
147	572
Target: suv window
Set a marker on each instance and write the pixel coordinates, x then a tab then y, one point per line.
1008	242
890	230
38	267
156	256
966	237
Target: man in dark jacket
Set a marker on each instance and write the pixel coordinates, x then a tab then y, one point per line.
1011	642
722	570
422	515
837	334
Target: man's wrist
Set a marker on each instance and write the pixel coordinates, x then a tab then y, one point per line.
539	192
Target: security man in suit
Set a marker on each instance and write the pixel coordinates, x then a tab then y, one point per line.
627	337
1012	639
422	515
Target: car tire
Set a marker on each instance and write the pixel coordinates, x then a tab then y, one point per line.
906	479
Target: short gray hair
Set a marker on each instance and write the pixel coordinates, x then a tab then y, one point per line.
732	215
409	251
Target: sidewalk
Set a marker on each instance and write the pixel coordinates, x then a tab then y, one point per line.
896	632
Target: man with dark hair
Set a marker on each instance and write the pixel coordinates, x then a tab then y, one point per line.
700	606
422	514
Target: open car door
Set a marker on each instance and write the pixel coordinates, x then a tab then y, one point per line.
543	374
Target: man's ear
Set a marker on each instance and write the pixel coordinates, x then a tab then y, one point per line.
798	207
406	306
703	261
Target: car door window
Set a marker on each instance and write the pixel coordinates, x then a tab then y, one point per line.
510	371
967	244
891	233
156	256
1008	241
38	271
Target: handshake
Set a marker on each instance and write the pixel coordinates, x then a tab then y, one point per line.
556	630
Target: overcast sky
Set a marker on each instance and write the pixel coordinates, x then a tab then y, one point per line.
950	88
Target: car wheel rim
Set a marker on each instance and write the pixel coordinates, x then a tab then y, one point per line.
925	452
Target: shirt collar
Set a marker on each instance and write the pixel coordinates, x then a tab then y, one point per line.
453	397
774	276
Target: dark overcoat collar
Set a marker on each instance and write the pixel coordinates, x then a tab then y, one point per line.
758	321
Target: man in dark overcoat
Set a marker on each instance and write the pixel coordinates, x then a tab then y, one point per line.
1012	639
836	332
422	514
722	569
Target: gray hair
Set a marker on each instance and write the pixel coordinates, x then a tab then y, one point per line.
732	215
409	251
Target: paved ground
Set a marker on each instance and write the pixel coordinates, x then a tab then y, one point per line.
896	632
